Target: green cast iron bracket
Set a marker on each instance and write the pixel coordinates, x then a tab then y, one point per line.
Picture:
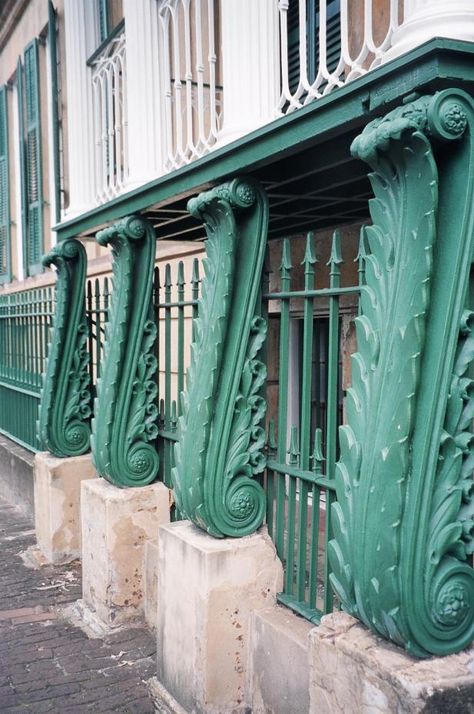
403	521
125	416
64	417
221	440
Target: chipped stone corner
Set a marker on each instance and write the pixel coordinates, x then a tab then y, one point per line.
380	677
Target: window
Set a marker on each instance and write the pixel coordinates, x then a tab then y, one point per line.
5	264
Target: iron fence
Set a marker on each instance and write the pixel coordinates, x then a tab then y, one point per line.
175	303
25	320
304	415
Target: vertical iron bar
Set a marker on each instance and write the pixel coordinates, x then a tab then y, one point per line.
332	398
285	280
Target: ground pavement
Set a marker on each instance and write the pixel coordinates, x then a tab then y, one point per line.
46	663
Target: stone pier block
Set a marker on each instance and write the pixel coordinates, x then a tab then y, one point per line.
57	491
352	671
116	524
151	583
207	591
280	668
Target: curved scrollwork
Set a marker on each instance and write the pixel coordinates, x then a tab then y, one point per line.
221	440
403	521
65	410
126	415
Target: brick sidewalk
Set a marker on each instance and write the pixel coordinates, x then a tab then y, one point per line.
47	664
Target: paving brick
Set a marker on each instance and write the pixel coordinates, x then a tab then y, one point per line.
48	665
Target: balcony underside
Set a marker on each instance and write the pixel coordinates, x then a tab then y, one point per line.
303	160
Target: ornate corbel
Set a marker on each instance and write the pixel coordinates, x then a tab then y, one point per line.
221	439
64	416
125	414
403	520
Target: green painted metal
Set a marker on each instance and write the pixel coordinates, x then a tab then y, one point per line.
5	247
220	447
65	412
298	492
347	109
403	521
25	321
53	58
124	427
175	303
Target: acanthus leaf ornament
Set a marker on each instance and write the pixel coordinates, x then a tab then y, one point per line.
221	439
403	519
126	415
65	406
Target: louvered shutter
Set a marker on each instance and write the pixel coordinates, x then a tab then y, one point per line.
333	38
5	269
52	42
103	19
34	192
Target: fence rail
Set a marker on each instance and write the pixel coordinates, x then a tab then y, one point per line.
25	319
302	431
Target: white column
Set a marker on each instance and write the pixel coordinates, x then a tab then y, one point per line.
81	39
426	19
144	99
250	65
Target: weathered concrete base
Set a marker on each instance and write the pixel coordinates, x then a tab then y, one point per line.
58	505
207	592
280	666
16	475
150	583
354	672
164	702
116	523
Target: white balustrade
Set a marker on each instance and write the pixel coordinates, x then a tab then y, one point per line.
190	73
326	44
110	119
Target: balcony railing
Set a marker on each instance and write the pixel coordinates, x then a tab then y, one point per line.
110	118
327	43
191	93
208	72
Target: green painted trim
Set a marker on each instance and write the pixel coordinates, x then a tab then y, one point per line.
53	54
15	387
7	275
105	42
344	109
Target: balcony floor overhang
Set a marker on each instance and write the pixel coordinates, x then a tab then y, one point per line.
303	159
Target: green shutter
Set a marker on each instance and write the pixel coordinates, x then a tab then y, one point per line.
21	149
333	41
102	9
5	265
34	193
54	108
